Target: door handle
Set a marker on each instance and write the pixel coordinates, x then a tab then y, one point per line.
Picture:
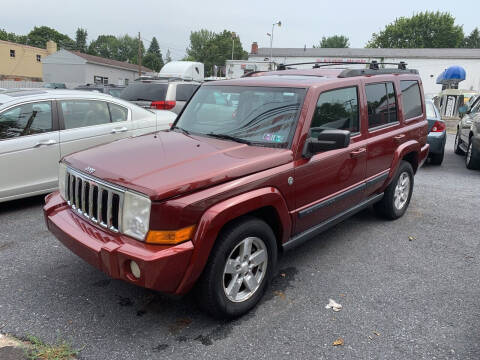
358	152
45	143
119	130
399	138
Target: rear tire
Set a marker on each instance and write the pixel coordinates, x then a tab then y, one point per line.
398	193
472	158
437	159
456	146
240	267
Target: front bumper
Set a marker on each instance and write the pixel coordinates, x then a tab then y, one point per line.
436	140
162	267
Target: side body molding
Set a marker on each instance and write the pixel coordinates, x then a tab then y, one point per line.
218	215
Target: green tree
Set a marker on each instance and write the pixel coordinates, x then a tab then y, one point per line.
168	57
153	59
12	37
106	46
423	30
335	41
81	40
472	41
39	36
213	48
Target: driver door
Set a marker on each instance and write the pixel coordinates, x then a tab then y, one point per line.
331	181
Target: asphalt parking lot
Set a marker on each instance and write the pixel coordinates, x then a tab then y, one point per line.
409	289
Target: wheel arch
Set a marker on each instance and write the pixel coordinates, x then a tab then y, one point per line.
267	204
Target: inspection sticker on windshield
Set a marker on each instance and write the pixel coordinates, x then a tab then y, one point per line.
273	138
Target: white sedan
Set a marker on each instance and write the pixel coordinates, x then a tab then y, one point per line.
39	127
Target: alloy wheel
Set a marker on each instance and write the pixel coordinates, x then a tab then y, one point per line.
402	191
245	269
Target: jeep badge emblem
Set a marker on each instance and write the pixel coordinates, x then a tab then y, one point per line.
89	170
290	180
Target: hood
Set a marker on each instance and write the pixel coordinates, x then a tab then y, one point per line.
169	163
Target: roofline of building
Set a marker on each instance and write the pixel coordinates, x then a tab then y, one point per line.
118	64
22	45
436	53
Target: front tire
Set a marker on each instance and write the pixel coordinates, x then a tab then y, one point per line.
456	146
241	265
397	196
472	158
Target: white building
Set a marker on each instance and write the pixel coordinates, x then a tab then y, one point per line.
429	62
75	68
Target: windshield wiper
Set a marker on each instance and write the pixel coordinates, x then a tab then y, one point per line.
230	137
181	129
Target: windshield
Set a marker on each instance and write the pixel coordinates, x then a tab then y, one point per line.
258	115
430	111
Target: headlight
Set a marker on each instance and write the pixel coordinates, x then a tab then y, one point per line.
136	215
62	174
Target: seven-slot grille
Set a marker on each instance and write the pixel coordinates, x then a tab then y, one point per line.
99	202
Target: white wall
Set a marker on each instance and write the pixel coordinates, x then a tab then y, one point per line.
429	69
114	74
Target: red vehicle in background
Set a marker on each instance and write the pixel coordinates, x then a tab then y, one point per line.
251	168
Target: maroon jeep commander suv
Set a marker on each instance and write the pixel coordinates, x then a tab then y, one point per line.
251	168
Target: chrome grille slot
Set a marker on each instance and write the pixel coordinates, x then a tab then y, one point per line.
98	201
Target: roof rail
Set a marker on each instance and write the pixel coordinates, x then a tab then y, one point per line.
373	67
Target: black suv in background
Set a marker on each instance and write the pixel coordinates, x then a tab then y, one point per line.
160	93
110	89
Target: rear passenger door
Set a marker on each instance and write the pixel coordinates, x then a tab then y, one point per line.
332	181
87	123
384	131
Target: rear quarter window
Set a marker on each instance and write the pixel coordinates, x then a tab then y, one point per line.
412	102
184	92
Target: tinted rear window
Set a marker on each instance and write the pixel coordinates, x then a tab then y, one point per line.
412	103
184	91
144	92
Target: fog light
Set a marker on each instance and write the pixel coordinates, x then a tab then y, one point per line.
135	269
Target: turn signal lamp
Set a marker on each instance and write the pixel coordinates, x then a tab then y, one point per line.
170	237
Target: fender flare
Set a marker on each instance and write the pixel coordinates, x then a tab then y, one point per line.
213	220
400	152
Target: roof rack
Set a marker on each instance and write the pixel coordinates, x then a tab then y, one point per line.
373	68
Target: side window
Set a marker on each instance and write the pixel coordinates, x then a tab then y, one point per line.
184	91
117	112
475	108
382	104
81	113
27	119
336	109
412	102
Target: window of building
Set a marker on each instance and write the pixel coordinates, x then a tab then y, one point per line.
12	53
81	113
336	110
126	82
101	80
27	119
382	104
412	102
39	58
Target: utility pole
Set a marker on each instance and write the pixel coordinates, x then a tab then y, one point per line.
234	35
139	55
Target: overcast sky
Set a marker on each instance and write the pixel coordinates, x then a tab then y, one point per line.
303	22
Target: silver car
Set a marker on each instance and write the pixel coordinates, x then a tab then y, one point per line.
39	127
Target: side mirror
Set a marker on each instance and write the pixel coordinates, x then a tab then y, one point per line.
327	140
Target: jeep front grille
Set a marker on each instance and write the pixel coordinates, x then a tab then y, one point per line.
98	201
